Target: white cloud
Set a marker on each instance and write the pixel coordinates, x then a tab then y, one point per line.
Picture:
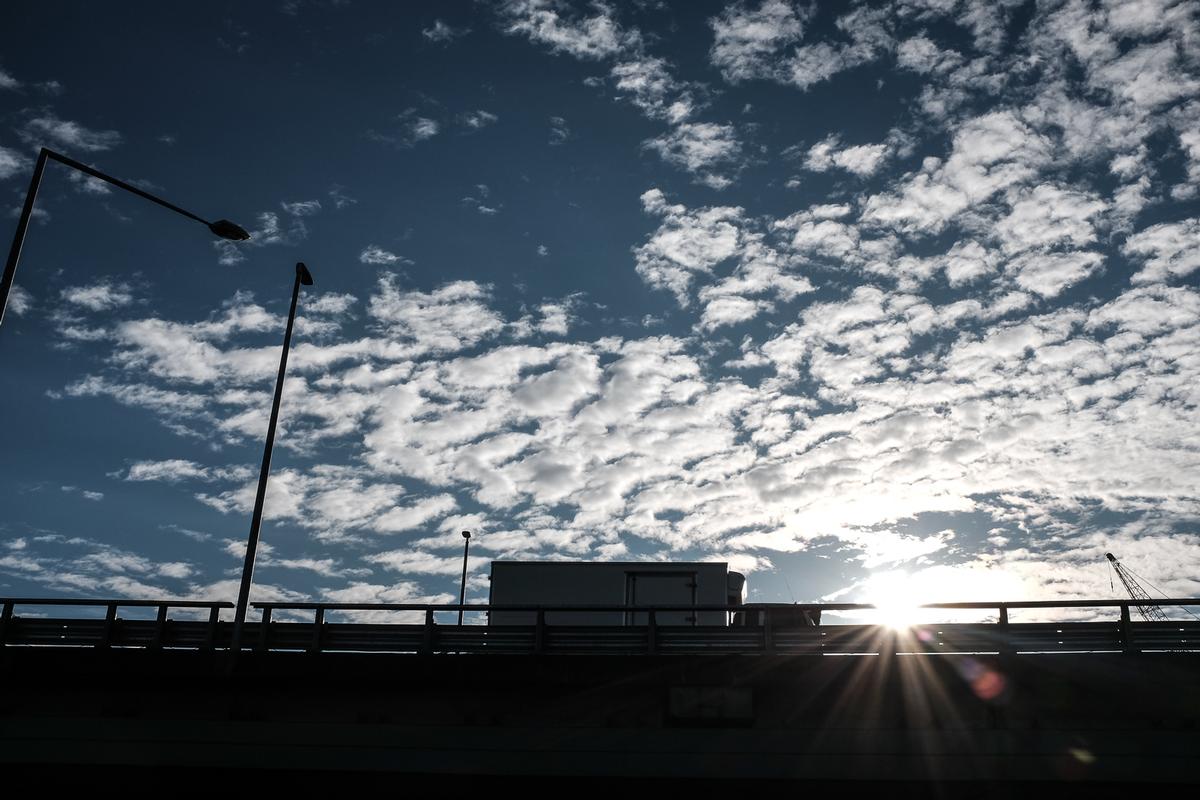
685	243
177	470
374	254
747	43
869	37
302	208
102	296
559	132
443	33
648	82
8	81
11	163
417	515
862	160
586	37
1169	250
990	153
701	148
19	301
1047	274
48	129
447	319
411	129
268	231
478	119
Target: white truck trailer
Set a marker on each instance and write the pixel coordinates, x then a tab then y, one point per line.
613	583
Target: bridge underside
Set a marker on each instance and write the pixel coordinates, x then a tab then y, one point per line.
1094	721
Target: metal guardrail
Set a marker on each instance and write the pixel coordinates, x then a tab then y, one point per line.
111	630
768	637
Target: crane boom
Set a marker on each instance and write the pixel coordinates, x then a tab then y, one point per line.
1149	611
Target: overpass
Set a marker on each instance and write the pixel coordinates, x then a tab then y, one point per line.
1068	707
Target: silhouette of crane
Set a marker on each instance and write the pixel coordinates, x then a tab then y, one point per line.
1149	611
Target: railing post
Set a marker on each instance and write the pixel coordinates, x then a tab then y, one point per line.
1005	636
539	633
318	623
110	621
768	633
214	619
160	625
427	636
651	632
1126	630
5	618
264	631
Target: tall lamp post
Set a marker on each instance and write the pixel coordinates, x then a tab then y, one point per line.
303	278
222	227
462	590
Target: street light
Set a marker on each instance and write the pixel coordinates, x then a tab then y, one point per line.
239	621
462	591
222	227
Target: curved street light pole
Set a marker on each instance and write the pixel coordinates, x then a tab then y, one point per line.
462	590
239	620
222	227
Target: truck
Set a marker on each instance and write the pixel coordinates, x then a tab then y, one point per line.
613	583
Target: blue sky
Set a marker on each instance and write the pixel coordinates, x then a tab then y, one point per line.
863	298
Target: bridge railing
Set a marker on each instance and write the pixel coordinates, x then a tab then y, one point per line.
110	629
761	628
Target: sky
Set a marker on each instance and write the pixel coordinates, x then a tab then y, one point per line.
866	299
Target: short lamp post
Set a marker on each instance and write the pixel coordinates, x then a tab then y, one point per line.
222	227
303	278
462	589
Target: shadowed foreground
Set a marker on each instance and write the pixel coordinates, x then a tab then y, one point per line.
1090	723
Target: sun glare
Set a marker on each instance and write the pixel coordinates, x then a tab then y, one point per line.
897	597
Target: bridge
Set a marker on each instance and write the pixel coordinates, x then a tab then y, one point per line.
336	693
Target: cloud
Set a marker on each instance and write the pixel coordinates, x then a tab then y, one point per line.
48	129
442	33
685	243
447	319
862	160
701	148
478	119
302	208
588	37
86	494
763	43
340	198
102	296
268	231
19	301
177	470
649	85
746	42
11	163
1168	250
559	132
690	245
8	82
411	129
374	254
989	153
415	516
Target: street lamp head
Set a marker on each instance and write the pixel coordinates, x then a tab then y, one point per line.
228	230
466	534
305	275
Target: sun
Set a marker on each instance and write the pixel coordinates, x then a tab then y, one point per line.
897	597
898	594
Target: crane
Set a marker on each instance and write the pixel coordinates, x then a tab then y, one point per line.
1149	611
